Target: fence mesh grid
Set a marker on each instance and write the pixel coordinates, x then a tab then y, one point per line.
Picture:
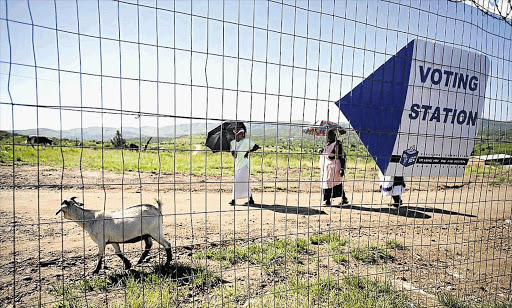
113	102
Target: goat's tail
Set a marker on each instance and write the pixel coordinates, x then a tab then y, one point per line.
159	203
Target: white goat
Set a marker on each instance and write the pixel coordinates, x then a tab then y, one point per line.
136	223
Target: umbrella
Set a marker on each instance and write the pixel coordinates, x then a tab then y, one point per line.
321	127
219	138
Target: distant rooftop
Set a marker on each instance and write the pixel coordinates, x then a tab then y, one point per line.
504	159
493	156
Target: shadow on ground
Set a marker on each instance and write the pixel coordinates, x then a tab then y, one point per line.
405	211
287	209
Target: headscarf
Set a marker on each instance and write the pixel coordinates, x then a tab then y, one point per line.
240	131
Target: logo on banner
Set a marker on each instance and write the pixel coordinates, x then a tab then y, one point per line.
409	157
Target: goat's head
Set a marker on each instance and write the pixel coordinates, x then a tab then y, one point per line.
66	204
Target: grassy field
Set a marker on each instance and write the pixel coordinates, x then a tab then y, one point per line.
293	157
185	154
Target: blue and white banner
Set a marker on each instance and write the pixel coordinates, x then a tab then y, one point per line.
418	113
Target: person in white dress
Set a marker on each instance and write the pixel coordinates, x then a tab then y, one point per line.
392	186
240	149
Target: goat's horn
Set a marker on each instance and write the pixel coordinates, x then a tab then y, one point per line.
73	199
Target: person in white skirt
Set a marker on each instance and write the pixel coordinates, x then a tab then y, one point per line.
240	149
392	186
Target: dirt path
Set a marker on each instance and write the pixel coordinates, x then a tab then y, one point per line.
458	237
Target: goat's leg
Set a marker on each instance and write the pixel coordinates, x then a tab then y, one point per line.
127	264
162	241
101	253
145	253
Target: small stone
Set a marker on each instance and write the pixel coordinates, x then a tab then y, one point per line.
26	278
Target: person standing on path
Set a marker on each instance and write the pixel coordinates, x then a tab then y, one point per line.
240	149
392	186
332	167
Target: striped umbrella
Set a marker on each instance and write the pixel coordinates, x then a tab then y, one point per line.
321	127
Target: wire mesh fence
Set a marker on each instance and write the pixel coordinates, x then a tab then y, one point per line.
255	153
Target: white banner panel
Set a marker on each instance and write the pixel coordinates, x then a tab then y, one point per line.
418	113
444	101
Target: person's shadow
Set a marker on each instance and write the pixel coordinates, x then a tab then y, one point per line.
405	211
288	209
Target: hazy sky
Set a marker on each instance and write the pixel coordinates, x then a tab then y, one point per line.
249	60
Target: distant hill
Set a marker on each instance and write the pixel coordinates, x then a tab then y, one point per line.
107	133
256	130
490	125
97	133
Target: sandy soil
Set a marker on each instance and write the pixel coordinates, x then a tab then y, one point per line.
459	236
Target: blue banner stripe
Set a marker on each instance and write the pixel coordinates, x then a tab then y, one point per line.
374	107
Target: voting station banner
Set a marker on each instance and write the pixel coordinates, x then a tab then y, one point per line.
418	113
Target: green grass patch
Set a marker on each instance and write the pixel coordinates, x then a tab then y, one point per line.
315	292
361	291
450	300
319	239
499	180
338	251
371	254
336	246
160	286
154	291
270	254
394	244
73	295
340	257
